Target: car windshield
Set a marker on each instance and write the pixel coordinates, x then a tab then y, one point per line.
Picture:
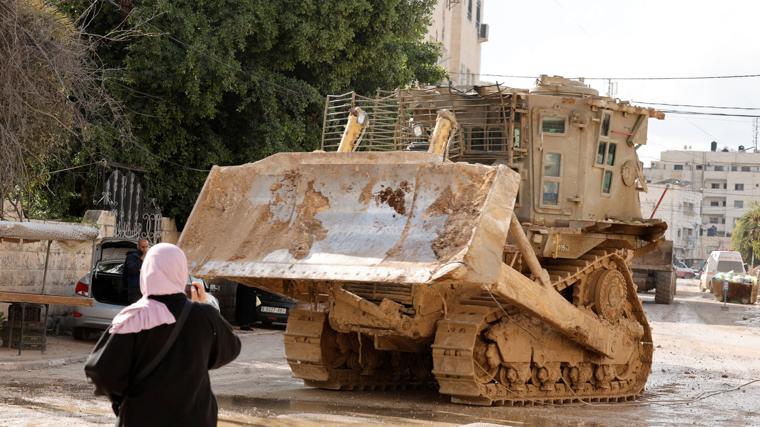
726	266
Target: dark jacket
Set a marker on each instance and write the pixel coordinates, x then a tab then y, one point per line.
132	265
178	392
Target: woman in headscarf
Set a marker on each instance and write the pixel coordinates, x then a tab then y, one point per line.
177	391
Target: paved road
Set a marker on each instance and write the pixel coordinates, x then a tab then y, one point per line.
704	356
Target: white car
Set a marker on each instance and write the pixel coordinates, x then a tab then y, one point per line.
720	262
105	286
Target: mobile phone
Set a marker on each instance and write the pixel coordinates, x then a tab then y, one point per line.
189	290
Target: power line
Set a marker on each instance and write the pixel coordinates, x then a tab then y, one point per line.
729	76
707	113
697	106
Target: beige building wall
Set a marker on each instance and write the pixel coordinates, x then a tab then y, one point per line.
680	208
458	25
729	183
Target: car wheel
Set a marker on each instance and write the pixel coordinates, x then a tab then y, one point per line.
79	333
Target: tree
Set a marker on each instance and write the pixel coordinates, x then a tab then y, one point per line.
232	81
51	96
746	235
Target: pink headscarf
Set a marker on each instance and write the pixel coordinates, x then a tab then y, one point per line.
163	272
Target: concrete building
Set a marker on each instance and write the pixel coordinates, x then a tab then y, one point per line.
458	26
729	182
680	207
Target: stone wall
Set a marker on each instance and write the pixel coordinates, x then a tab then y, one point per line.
22	264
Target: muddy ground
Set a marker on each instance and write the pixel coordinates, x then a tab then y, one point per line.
705	361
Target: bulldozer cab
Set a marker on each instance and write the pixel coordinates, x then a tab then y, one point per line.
574	150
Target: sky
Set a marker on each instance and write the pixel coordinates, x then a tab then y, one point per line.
641	38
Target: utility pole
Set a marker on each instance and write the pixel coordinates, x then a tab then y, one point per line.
612	88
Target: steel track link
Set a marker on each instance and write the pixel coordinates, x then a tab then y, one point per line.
455	356
313	355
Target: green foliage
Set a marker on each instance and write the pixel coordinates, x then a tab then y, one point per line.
218	82
746	235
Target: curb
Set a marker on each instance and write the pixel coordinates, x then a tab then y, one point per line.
40	364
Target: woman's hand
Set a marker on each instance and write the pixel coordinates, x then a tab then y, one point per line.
198	293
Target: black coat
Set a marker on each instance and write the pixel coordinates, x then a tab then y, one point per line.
178	391
132	265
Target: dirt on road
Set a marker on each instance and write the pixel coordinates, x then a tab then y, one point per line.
706	372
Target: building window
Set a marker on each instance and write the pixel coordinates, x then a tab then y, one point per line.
714	220
745	169
469	10
734	168
553	125
699	167
677	167
718	168
715	186
714	203
477	16
739	187
738	203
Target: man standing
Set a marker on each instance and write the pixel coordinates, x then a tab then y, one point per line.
132	267
245	306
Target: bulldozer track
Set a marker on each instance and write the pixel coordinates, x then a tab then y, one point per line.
459	352
327	359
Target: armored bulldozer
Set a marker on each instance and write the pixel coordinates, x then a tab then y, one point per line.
479	239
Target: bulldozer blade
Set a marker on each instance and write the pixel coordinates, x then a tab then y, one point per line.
398	217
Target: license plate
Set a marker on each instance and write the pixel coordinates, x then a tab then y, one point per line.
277	310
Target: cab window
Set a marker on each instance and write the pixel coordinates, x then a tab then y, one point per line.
552	172
606	153
607	182
553	125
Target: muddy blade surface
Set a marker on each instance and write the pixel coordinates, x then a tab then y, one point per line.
381	217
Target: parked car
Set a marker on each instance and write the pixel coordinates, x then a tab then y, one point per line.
105	285
272	308
720	262
697	264
683	271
